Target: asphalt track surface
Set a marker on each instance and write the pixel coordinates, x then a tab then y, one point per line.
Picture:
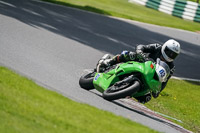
52	45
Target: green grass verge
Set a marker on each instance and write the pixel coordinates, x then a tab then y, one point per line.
124	9
180	100
194	1
28	108
191	0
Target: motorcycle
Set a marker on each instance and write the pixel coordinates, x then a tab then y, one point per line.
134	79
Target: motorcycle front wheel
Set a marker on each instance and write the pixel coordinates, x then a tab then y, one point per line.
121	91
86	81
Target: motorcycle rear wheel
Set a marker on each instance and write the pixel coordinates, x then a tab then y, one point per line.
86	81
122	91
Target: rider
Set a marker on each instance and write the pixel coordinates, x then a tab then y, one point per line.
167	53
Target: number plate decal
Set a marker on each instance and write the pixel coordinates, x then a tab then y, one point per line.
162	73
98	75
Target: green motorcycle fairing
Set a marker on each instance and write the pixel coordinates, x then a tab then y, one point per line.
103	81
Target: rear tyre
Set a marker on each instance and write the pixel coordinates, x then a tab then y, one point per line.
116	92
86	81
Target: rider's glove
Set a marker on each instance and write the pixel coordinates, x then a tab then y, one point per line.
141	57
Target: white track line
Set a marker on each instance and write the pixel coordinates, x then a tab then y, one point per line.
187	79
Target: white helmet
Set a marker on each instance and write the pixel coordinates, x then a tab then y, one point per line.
170	50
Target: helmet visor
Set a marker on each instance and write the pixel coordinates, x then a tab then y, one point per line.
171	54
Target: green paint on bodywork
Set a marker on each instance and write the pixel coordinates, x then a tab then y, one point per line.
102	81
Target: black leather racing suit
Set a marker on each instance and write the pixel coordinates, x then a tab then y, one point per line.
152	51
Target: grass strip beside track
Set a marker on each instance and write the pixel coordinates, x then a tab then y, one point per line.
181	100
28	108
194	1
124	9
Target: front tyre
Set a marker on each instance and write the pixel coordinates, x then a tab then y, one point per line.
86	81
121	91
